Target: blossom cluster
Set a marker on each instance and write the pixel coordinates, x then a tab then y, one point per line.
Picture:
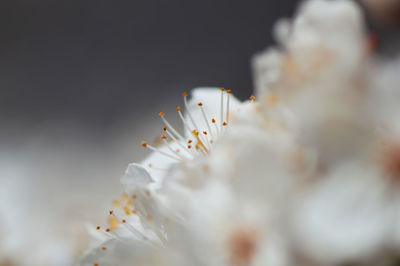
306	172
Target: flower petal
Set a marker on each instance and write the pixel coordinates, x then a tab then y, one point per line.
136	174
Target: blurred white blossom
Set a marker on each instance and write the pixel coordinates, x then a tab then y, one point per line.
306	174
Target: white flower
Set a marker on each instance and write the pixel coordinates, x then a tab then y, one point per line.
306	175
144	216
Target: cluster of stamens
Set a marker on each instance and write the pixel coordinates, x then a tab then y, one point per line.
202	139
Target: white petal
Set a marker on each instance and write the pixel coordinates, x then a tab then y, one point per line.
136	174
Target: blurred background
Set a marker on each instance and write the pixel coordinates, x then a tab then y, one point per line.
81	82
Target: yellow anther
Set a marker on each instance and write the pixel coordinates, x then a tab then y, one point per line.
113	222
127	211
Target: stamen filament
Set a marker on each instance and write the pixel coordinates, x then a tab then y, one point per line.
188	111
164	139
161	114
177	142
207	139
206	120
222	106
156	168
227	105
185	124
215	125
144	144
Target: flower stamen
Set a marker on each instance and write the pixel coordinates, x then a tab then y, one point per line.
222	106
161	114
199	142
144	144
164	139
205	119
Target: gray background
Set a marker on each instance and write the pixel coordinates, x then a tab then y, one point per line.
92	62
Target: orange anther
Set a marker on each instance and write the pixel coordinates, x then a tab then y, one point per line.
144	143
134	196
98	228
178	108
213	120
229	91
161	113
224	124
111	212
164	128
184	94
222	89
163	136
200	104
104	248
108	230
127	211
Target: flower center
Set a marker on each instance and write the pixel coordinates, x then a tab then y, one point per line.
203	139
242	245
